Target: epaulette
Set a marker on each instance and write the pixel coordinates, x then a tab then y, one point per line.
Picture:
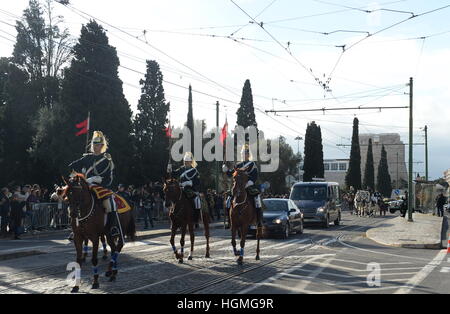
108	156
87	154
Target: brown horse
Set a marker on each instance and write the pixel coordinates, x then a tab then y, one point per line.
87	221
181	217
242	214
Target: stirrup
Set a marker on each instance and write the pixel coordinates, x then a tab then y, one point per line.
70	237
114	231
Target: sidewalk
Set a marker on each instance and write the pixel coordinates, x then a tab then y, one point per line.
423	233
55	241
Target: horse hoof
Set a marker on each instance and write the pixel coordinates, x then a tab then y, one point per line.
104	257
257	258
75	289
112	279
95	285
190	258
207	255
239	262
180	261
108	273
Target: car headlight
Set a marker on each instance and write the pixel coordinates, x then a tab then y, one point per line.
277	221
320	209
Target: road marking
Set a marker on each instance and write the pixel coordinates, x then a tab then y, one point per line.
333	266
279	275
362	263
288	245
445	270
421	275
313	275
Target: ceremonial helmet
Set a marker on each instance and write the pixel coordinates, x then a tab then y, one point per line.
189	157
246	150
99	138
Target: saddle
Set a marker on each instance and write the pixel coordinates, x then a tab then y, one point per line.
252	190
100	193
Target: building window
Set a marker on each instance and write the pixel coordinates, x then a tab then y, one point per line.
334	166
343	167
326	167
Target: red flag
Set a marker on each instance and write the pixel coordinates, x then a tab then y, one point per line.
84	126
168	131
223	134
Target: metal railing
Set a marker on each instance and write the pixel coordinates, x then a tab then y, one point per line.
46	216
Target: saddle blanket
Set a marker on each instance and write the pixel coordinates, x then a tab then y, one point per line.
121	204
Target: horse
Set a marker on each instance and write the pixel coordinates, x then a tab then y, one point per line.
242	215
383	207
87	221
362	199
181	217
86	249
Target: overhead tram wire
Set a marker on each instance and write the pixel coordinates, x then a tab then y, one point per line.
242	27
83	14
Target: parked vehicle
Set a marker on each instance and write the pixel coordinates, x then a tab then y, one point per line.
281	217
319	202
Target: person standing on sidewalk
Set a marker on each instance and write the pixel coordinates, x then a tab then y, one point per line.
4	212
440	202
148	202
16	216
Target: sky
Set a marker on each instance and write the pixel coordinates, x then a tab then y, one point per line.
286	48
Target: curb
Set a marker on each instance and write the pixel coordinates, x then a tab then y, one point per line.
32	252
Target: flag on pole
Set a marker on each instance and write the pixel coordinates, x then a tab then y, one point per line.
84	126
168	131
223	134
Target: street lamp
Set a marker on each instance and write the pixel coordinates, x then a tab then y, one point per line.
298	139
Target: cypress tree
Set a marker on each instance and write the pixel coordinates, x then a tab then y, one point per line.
91	84
150	140
246	112
369	174
384	185
353	176
313	162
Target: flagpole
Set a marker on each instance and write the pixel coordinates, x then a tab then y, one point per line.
87	133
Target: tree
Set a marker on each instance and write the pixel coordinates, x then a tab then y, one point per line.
288	163
369	174
91	84
246	112
151	143
313	162
384	179
353	176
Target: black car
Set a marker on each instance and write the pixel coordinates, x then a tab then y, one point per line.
280	216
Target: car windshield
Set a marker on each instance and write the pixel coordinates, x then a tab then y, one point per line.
309	193
273	205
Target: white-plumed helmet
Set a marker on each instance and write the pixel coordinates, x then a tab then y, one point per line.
189	157
99	138
246	150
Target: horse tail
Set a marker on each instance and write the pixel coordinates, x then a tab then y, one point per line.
131	229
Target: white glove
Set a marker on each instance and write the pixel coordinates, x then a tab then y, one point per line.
224	168
94	179
169	167
186	183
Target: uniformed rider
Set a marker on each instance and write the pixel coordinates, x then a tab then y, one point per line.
251	169
189	181
98	169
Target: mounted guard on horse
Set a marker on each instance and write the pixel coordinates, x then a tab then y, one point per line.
98	169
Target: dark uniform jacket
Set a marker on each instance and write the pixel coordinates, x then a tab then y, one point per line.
251	170
188	174
91	165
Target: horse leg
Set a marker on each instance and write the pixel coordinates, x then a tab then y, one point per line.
112	245
192	237
105	249
206	226
172	240
183	234
240	259
78	242
85	249
95	240
258	237
233	240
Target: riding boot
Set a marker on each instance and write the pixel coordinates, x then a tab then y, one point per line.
113	224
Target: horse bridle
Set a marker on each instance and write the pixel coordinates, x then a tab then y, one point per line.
77	209
237	196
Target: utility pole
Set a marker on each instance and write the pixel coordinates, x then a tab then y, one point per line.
298	139
396	181
426	153
410	157
217	139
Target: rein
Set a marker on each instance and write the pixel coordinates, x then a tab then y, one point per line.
90	212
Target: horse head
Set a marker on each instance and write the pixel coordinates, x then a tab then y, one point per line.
77	194
172	191
240	179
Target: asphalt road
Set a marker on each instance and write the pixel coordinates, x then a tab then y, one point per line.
335	260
